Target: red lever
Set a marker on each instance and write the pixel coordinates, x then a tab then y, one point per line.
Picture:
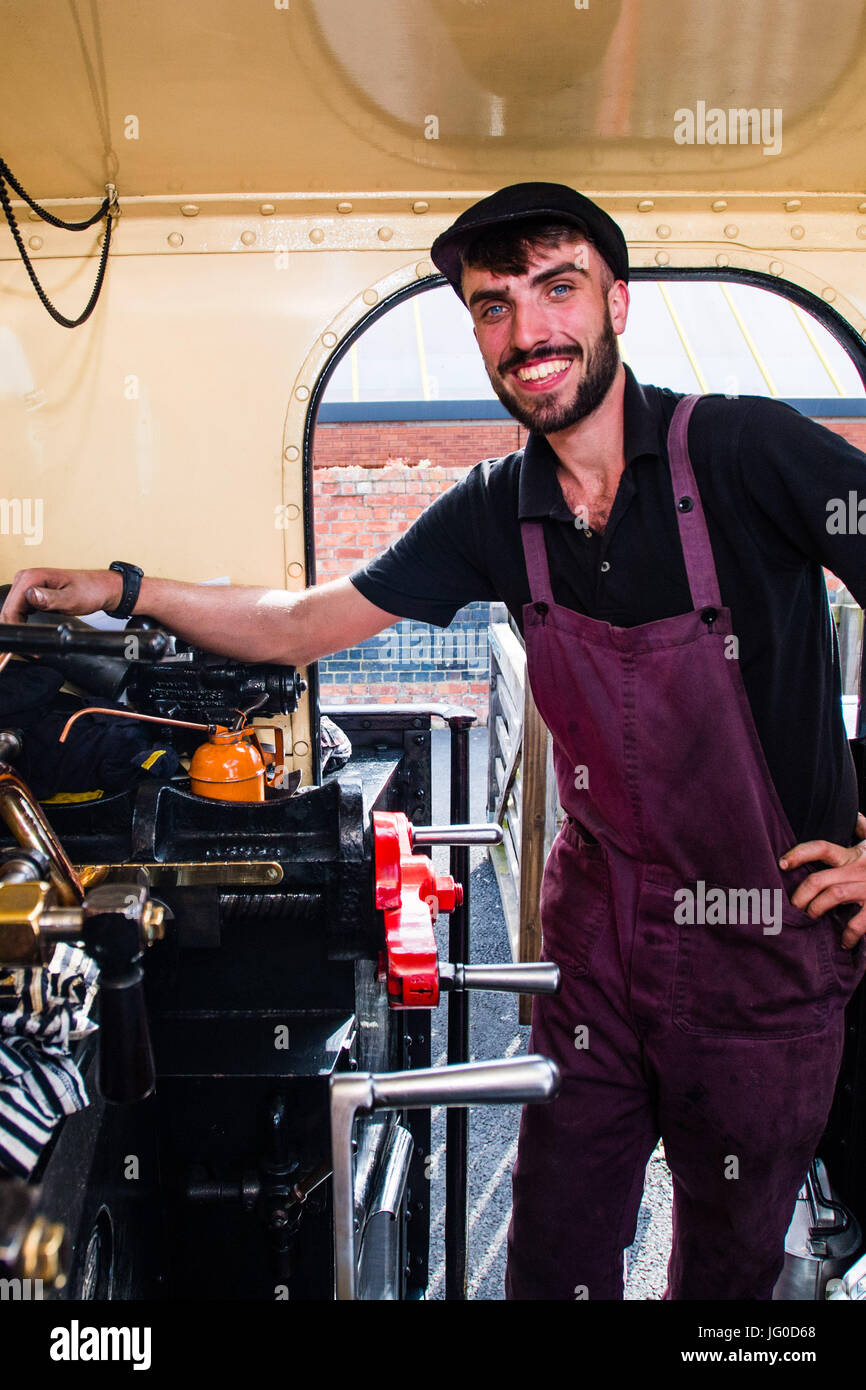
410	896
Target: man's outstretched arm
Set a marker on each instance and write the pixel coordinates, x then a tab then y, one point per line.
250	624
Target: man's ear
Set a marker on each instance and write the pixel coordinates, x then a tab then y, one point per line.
618	300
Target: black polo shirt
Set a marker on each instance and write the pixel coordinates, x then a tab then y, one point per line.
771	482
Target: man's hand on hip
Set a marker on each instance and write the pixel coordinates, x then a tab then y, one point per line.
845	882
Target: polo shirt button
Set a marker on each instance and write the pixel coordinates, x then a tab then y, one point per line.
604	566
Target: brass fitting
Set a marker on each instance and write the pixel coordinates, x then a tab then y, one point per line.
25	818
31	1247
22	906
44	1253
153	922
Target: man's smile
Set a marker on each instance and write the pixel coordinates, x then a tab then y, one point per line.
542	375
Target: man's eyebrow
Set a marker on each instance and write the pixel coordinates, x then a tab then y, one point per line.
565	268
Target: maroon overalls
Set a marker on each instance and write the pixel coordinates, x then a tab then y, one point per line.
722	1036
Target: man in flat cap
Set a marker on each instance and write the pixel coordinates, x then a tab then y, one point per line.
704	898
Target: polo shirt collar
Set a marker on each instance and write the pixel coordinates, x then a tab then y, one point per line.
539	492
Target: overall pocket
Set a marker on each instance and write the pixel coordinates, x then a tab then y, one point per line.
752	973
575	900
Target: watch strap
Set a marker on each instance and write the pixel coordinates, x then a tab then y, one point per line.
132	577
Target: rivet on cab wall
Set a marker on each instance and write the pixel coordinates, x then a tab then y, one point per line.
248	238
385	233
645	205
793	205
175	239
292	511
267	209
291	453
189	209
776	267
420	205
35	243
34	216
370	297
861	232
295	569
300	747
317	235
861	207
723	259
663	231
662	257
303	393
344	207
731	230
424	268
798	232
828	293
329	339
719	205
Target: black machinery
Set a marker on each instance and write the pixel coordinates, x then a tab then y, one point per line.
267	972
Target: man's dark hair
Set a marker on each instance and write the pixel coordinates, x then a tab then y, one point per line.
506	249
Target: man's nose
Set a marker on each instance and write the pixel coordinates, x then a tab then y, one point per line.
529	327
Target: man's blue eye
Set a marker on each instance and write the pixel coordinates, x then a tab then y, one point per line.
490	309
560	287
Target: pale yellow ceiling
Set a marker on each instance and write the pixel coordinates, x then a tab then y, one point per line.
287	96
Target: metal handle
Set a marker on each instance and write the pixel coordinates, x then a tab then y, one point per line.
457	834
541	978
65	637
126	1067
506	1082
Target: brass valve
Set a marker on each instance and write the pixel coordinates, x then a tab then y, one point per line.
43	1252
31	1247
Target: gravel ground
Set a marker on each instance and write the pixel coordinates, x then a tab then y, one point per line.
495	1032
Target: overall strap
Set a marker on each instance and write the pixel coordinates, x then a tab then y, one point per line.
694	537
535	554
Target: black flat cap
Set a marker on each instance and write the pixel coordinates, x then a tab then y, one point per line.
522	200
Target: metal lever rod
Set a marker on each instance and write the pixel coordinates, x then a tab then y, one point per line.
506	1082
541	978
456	834
64	638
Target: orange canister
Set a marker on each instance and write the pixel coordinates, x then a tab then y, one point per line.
229	767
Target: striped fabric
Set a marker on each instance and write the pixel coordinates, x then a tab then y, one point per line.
42	1010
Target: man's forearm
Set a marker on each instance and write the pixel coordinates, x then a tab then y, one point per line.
251	624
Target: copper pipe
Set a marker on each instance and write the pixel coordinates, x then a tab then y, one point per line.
25	818
131	714
7	656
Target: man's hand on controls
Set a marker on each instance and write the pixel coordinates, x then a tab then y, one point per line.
61	591
845	882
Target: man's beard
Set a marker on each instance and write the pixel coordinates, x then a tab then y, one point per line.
550	416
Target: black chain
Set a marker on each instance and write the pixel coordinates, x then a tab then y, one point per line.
107	210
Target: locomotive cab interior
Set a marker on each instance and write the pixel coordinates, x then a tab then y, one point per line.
259	184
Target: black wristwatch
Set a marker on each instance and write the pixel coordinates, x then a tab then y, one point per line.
132	577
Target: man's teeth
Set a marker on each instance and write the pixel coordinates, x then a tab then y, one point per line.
542	370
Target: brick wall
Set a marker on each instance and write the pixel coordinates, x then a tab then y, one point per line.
370	480
446	443
852	430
